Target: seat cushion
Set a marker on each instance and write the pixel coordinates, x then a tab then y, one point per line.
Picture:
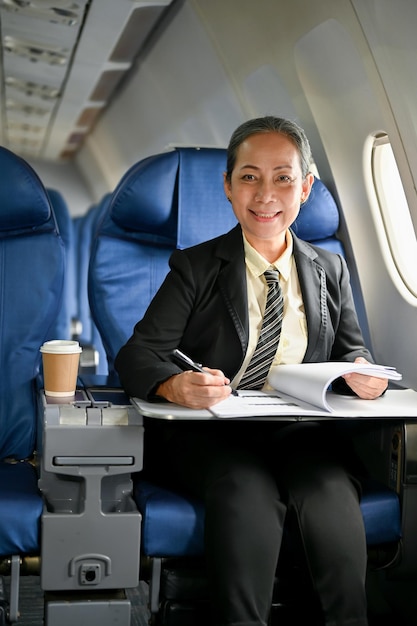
173	524
381	513
20	509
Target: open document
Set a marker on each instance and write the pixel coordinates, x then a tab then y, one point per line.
300	392
303	390
310	382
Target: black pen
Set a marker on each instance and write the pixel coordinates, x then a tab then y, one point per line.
192	365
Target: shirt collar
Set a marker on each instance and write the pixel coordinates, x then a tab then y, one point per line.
257	264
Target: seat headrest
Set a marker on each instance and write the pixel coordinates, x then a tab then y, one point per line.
175	198
319	216
144	198
203	209
24	202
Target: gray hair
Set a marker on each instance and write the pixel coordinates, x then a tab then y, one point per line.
269	124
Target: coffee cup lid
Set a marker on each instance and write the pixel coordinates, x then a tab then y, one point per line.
61	346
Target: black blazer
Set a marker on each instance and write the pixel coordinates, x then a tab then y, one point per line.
202	309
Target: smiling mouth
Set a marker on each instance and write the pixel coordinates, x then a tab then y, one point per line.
266	216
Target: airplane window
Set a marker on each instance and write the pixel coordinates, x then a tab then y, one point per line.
394	210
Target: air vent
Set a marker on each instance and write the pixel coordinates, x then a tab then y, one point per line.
35	52
19	127
24	141
26	109
25	145
29	88
57	11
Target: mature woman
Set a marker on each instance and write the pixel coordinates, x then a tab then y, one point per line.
212	306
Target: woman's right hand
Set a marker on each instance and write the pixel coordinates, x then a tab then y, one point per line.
196	390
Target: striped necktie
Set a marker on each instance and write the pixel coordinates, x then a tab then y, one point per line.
258	367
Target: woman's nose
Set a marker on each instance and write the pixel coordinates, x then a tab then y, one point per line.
265	191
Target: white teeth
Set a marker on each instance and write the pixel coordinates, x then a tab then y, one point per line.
266	215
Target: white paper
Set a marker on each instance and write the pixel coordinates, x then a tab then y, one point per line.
309	382
257	403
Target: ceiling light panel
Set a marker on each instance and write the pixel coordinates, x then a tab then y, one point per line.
38	39
31	89
57	12
61	62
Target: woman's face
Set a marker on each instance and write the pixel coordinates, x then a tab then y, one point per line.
266	189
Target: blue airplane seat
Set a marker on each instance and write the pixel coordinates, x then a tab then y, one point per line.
151	212
31	283
96	338
77	224
63	326
83	245
318	220
94	358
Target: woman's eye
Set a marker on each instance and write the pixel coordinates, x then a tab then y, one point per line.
285	179
282	179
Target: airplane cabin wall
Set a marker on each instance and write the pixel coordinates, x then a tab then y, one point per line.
343	69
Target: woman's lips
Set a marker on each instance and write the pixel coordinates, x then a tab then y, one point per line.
265	216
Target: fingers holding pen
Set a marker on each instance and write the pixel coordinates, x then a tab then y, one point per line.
196	390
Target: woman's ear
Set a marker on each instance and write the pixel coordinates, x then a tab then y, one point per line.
227	187
306	187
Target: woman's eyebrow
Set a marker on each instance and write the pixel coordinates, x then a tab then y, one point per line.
256	167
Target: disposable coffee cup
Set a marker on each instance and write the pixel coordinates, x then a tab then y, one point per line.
60	359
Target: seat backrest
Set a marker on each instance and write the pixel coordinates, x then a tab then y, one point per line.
85	232
68	311
318	219
32	261
167	201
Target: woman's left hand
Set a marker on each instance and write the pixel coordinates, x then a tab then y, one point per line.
366	387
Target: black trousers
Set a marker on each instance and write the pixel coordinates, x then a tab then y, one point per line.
250	475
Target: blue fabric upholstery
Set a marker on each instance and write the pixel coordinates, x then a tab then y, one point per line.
62	329
20	509
381	514
32	261
152	211
172	524
318	219
26	206
83	247
85	229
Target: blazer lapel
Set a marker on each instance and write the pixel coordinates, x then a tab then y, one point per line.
312	279
232	282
